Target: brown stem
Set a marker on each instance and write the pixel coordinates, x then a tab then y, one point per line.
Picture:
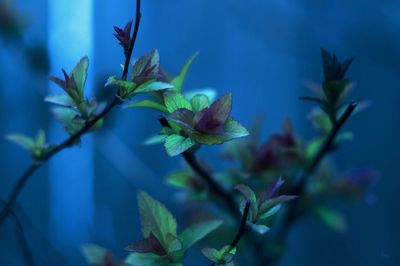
295	209
23	179
214	187
242	227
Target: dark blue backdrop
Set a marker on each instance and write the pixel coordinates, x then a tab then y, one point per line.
261	51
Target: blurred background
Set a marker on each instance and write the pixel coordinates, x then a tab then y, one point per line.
261	51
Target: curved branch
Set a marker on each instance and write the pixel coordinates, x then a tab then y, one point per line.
23	179
215	188
294	209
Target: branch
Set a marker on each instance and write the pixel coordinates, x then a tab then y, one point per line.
215	188
241	230
24	242
242	227
294	209
73	138
325	149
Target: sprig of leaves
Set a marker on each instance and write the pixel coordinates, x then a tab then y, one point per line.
72	108
37	146
161	244
147	78
335	87
265	205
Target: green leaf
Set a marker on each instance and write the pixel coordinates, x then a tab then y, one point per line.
209	92
94	254
259	228
322	102
115	81
22	140
211	254
148	104
142	259
179	179
174	244
68	117
179	80
40	140
313	147
176	144
199	102
60	99
155	139
344	136
151	86
234	130
156	218
197	232
320	120
175	100
250	196
126	88
79	74
331	218
247	192
270	212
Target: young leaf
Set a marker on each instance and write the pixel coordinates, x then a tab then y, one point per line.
178	80
247	193
148	104
142	259
22	140
199	102
97	256
147	68
197	232
174	101
60	99
210	93
331	218
176	144
79	73
151	86
233	130
156	219
259	228
147	245
155	139
211	254
124	36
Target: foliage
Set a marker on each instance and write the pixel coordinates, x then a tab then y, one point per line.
192	119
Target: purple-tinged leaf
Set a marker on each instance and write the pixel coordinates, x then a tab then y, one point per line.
208	123
259	228
212	119
272	189
274	151
183	117
269	203
333	69
222	107
148	245
247	193
124	36
147	68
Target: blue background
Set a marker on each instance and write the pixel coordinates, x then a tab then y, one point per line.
261	51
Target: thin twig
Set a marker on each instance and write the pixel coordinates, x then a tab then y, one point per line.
73	138
241	230
325	148
294	208
242	227
25	245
